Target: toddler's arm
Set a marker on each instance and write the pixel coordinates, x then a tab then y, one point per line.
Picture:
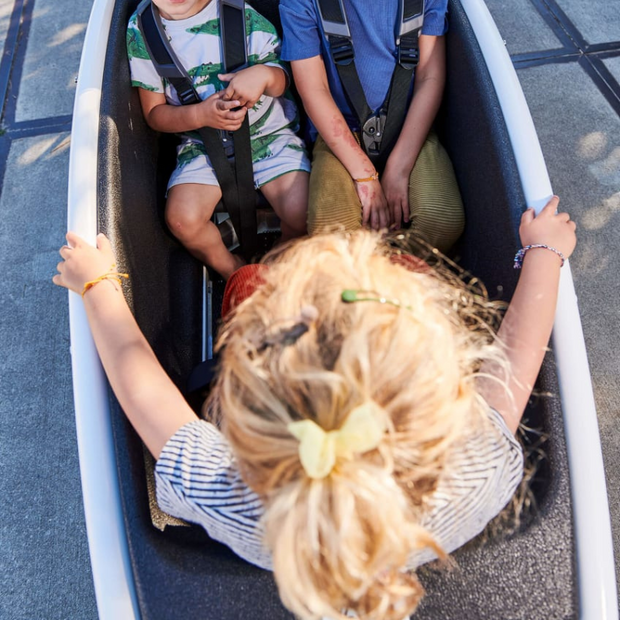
249	85
311	81
526	328
153	404
428	88
214	112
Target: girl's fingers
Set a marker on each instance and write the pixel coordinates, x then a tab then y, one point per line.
103	243
528	216
551	207
74	240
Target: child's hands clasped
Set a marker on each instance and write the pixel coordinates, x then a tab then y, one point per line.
220	113
549	228
246	86
82	262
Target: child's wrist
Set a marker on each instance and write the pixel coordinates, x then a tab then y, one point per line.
374	176
112	276
542	252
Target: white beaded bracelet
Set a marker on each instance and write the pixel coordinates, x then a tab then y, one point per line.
518	262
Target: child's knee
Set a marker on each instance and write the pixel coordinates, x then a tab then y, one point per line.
188	211
182	221
440	220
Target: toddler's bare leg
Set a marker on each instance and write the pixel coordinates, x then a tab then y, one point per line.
288	195
188	214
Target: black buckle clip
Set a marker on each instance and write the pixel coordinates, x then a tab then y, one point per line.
408	56
372	133
227	143
342	50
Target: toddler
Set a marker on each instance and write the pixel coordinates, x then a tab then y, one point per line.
280	162
363	418
417	184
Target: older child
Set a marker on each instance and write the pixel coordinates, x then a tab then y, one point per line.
418	182
279	159
367	413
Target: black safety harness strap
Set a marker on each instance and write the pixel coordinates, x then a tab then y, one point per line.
229	152
380	129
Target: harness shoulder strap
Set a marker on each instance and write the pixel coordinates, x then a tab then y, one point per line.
407	41
380	130
336	28
237	184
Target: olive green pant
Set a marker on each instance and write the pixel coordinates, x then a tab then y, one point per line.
434	198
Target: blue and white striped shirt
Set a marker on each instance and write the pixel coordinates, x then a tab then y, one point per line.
198	480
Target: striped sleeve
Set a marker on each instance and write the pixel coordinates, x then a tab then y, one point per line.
198	480
483	478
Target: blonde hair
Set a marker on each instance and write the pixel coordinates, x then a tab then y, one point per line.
342	542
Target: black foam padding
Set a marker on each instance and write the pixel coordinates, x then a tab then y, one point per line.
181	573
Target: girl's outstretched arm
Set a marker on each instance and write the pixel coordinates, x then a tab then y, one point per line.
153	404
526	328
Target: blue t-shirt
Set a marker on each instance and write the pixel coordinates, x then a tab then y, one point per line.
372	25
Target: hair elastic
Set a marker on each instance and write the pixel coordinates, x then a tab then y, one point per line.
520	255
362	431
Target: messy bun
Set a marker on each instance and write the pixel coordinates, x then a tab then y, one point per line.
342	541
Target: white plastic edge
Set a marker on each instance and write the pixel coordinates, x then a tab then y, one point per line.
109	555
595	560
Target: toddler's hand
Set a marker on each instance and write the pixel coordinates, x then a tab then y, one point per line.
395	183
246	86
220	113
549	228
375	212
82	262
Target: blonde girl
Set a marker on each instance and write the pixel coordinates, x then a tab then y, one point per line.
362	421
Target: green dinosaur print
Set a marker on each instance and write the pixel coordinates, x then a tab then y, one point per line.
260	147
135	45
296	147
189	153
143	86
207	74
256	22
255	59
257	125
211	27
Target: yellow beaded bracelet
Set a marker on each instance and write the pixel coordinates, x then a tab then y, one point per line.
372	177
110	275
